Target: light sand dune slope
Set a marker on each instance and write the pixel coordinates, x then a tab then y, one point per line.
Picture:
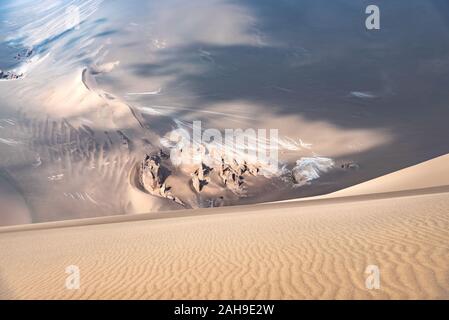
432	173
318	251
274	251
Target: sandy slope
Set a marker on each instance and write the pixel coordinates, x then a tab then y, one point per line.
432	173
17	211
288	250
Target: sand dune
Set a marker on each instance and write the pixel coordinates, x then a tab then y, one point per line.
317	252
18	211
273	251
88	130
429	174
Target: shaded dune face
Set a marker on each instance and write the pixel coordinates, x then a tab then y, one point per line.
69	171
93	88
14	208
80	167
66	173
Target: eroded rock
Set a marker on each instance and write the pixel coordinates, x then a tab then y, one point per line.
9	75
232	176
153	176
200	178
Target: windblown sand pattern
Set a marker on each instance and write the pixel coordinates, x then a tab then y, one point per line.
296	250
91	92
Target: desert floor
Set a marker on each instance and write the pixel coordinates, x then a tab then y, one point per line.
317	248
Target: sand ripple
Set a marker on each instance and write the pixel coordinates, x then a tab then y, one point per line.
288	252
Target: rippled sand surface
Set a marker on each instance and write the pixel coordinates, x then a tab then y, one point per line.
296	250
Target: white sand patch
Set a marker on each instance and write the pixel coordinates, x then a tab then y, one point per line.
362	95
218	22
37	22
105	67
10	142
311	168
146	93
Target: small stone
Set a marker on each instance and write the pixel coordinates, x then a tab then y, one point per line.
350	166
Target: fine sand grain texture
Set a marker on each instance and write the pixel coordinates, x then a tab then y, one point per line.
91	116
319	251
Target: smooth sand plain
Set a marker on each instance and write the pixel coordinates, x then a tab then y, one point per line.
293	250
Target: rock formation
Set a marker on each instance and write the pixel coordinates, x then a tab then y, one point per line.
152	178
